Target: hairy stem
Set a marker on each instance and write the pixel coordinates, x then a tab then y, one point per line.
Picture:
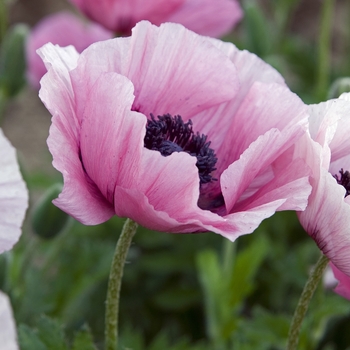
304	301
114	284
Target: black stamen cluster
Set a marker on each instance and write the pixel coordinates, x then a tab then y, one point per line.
344	180
168	134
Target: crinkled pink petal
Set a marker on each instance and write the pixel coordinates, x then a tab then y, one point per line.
8	334
327	216
13	196
327	220
80	197
265	106
63	29
214	18
251	69
115	159
343	287
254	160
173	70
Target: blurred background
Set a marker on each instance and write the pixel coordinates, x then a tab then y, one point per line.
180	291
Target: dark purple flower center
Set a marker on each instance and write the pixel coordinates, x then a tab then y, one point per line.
344	180
168	134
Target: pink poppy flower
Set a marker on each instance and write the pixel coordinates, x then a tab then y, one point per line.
179	132
8	334
327	216
13	196
63	29
207	17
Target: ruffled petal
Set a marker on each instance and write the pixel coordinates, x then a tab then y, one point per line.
289	184
173	70
112	136
327	220
266	106
8	334
13	196
251	69
80	197
207	17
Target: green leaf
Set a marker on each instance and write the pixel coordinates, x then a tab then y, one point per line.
51	333
83	340
246	266
256	28
29	340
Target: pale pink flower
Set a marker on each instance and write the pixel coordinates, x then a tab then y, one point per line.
327	216
102	101
13	196
62	29
207	17
8	334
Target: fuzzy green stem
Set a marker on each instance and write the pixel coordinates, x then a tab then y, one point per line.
114	284
324	45
304	301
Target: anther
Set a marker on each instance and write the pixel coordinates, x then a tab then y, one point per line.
168	134
344	180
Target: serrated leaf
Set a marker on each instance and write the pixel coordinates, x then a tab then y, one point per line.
51	333
83	341
29	340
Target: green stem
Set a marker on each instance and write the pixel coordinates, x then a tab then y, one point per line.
115	280
324	44
229	252
304	301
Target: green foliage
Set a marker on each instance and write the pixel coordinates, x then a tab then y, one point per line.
83	340
225	290
48	336
12	61
48	220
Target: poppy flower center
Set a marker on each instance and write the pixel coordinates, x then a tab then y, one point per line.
344	180
168	134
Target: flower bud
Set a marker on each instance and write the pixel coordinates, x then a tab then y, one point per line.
12	61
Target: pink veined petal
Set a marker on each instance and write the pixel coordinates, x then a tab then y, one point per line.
260	155
247	221
173	70
63	29
13	196
251	69
112	136
265	106
329	126
208	17
170	188
80	197
122	15
327	220
8	335
343	287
